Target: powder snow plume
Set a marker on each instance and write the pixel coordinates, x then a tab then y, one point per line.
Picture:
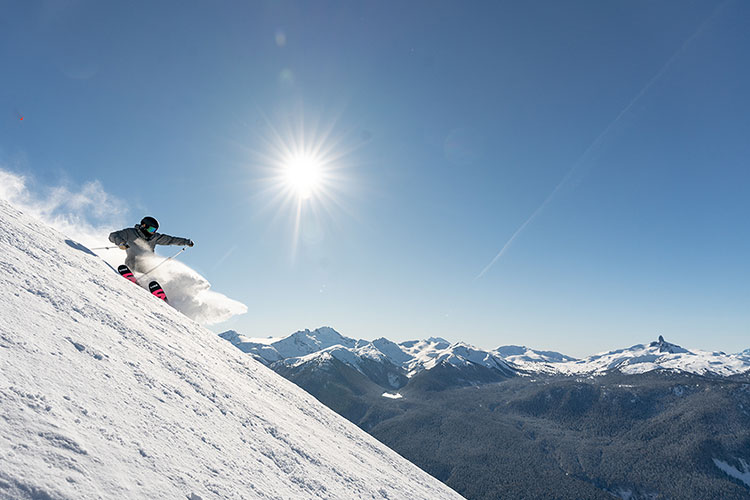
84	214
88	214
190	293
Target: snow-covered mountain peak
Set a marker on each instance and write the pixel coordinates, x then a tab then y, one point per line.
462	354
297	345
233	336
100	402
321	357
439	341
466	353
659	355
315	340
353	357
408	358
522	355
664	346
392	350
414	356
424	347
432	343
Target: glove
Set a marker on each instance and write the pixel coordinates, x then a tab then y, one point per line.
190	243
124	246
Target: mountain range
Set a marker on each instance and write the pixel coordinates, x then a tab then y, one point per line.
403	361
653	420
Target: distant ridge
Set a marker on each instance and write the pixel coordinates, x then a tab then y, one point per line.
415	356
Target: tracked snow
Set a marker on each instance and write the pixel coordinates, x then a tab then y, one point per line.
107	392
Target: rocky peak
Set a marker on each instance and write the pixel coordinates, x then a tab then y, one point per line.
665	346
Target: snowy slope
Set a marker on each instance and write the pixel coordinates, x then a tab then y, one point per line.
106	392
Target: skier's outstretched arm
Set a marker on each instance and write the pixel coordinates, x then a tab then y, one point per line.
119	238
165	239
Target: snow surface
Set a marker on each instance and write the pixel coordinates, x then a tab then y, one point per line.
459	354
306	342
392	350
338	352
296	345
391	395
427	354
107	392
522	355
743	475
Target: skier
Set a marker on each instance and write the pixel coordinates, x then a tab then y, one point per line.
139	242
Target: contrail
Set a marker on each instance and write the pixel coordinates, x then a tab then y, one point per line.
581	159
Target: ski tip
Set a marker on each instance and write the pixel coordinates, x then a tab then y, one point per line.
126	273
155	288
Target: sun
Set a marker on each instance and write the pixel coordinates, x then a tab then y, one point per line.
303	174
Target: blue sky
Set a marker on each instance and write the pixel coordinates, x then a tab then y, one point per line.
448	125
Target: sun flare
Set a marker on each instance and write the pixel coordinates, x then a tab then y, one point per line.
306	177
303	174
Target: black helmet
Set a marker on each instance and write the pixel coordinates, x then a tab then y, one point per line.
149	225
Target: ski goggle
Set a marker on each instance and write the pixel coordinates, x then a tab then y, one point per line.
150	229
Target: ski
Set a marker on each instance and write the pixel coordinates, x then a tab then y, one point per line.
154	287
126	273
157	291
